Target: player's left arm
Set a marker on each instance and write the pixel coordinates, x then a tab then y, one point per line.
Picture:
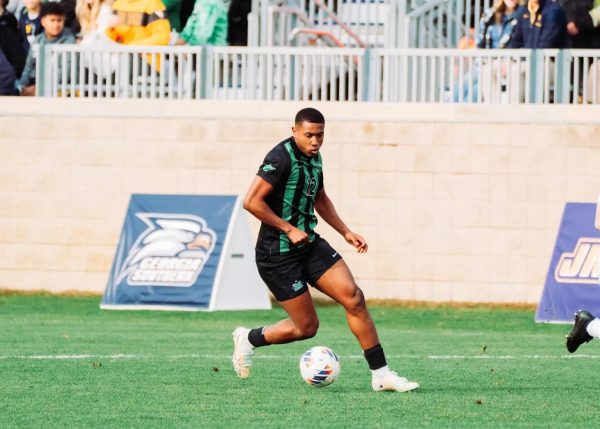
327	211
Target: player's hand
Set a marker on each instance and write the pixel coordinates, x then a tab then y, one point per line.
357	241
297	236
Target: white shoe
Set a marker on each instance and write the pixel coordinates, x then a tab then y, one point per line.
242	352
391	381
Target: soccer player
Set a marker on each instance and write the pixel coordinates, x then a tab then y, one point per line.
284	195
586	328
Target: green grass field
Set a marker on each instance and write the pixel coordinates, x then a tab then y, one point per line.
66	363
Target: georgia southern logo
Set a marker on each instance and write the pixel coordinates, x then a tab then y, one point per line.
171	252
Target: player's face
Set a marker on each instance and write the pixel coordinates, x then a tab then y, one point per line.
53	25
309	137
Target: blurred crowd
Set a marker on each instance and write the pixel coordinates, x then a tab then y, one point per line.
27	24
534	24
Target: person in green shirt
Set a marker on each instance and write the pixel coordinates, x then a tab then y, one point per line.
173	13
207	25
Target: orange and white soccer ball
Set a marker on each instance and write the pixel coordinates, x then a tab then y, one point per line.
319	366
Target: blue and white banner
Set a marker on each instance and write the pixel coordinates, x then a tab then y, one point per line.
171	251
572	281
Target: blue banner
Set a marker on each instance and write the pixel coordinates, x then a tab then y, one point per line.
572	280
169	251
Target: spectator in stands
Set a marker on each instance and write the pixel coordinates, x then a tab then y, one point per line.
494	32
53	20
30	23
207	25
95	17
582	34
71	22
173	10
7	77
581	31
141	22
593	83
497	24
15	7
541	24
10	43
237	30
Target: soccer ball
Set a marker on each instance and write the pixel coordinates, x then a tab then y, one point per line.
319	366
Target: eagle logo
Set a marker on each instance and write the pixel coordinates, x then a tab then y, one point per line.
171	251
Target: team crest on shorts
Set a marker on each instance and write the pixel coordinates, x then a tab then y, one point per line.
171	251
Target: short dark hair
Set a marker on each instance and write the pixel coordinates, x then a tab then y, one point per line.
309	115
52	8
4	3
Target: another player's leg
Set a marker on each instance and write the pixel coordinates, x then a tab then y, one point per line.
302	324
585	328
338	283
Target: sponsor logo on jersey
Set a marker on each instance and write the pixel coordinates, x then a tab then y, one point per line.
268	168
582	265
171	251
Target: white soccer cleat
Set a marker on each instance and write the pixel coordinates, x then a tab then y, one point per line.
390	380
242	352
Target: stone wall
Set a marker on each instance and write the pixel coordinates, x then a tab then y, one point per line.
457	203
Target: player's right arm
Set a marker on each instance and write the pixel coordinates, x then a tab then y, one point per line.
255	203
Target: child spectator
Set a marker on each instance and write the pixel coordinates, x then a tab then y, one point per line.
29	23
53	20
71	22
207	25
10	43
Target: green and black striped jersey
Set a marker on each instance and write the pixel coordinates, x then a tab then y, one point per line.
296	179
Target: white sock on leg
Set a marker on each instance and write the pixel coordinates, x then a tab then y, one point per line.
381	371
593	328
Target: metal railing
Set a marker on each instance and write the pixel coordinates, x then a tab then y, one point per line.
357	23
451	75
370	23
322	74
120	71
286	73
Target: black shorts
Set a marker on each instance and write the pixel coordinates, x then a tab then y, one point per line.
287	275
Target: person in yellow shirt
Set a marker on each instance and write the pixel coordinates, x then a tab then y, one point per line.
140	22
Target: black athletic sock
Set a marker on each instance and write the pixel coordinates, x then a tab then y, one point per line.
256	337
375	357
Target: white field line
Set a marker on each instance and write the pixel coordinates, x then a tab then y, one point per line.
259	356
